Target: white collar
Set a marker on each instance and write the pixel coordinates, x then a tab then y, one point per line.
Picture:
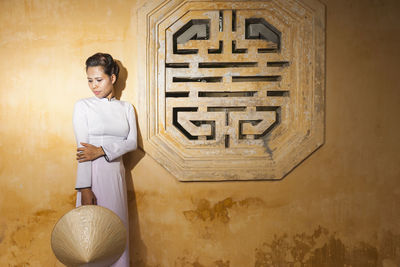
105	99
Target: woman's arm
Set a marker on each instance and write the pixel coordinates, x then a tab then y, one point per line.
117	149
84	171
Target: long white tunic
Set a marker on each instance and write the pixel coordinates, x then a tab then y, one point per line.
112	125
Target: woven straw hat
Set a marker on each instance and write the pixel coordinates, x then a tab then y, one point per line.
89	236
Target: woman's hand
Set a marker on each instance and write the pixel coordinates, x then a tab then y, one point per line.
88	152
88	197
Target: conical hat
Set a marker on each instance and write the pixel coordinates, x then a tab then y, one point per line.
89	236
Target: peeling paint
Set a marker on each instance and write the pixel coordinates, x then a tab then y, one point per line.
46	212
186	261
221	263
251	201
24	240
206	212
219	211
324	249
3	228
389	247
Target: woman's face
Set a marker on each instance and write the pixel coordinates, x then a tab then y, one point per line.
100	83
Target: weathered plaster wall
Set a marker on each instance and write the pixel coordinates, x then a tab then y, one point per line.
339	207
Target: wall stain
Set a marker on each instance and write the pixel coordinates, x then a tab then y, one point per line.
24	264
333	253
26	236
324	249
45	212
389	247
210	220
142	263
72	199
219	211
251	201
206	212
362	255
185	262
3	228
138	197
221	263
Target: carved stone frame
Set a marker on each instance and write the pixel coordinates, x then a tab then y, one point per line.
302	141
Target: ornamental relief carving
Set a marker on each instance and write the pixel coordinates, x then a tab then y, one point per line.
233	90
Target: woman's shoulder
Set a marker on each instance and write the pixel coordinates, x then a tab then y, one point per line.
126	104
84	100
82	103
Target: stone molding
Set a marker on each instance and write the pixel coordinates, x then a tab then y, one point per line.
232	90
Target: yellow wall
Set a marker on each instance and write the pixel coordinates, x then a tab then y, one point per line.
340	206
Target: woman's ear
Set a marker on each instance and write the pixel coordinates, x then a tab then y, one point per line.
113	78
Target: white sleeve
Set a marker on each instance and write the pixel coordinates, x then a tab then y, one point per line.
84	171
117	149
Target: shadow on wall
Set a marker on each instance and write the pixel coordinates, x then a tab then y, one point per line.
121	82
137	249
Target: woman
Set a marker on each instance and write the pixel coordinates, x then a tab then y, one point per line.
105	129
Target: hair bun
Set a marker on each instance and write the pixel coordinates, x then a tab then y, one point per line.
115	68
104	60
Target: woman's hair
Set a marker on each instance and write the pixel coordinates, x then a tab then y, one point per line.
104	60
